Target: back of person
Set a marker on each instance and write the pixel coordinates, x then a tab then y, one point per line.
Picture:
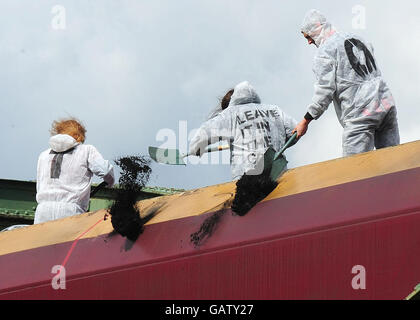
255	128
251	128
360	91
64	175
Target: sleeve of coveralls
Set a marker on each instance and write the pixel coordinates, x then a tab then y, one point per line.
289	125
101	167
211	131
325	85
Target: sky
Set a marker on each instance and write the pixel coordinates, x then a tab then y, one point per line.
134	71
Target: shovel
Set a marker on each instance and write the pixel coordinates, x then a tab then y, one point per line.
278	162
174	157
273	163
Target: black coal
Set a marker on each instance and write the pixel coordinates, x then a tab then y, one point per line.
125	216
250	190
135	173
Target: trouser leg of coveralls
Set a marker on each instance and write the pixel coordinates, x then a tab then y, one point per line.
357	139
388	134
362	135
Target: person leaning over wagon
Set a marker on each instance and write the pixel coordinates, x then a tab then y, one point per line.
65	171
249	126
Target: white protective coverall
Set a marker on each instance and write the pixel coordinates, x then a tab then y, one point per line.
249	126
64	177
347	74
215	111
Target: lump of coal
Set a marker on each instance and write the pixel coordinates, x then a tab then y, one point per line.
250	190
125	216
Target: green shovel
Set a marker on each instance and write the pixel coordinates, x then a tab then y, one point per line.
278	162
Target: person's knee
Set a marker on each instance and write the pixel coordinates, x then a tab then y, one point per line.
388	135
357	142
387	139
352	150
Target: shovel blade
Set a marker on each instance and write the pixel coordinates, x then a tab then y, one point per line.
166	156
277	166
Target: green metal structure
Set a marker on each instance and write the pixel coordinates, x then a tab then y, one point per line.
18	200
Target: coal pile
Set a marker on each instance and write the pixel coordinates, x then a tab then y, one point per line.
125	216
251	189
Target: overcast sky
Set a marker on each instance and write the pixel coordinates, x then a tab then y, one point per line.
129	69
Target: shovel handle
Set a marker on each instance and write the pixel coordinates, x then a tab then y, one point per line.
208	149
217	148
226	147
97	188
287	145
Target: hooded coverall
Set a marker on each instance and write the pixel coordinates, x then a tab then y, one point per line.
249	126
347	74
64	175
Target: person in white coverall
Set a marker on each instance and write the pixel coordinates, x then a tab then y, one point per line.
347	74
65	171
249	126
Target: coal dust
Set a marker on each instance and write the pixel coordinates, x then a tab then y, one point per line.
207	228
125	216
250	189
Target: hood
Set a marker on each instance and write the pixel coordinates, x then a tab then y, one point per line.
317	27
62	142
244	93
